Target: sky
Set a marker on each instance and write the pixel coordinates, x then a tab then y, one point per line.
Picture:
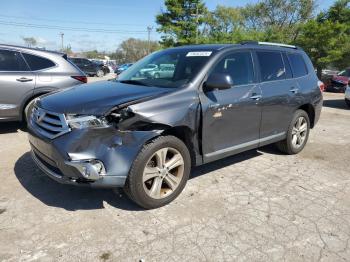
77	20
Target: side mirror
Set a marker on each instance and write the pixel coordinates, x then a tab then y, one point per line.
218	81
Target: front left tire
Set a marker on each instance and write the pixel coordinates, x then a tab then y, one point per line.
347	101
159	173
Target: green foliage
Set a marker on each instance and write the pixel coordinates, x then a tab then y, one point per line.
133	49
180	21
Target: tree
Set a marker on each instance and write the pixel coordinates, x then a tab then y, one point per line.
133	49
180	22
325	43
30	41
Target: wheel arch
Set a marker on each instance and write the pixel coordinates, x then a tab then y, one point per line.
310	110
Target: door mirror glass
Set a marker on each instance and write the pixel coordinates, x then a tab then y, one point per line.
219	81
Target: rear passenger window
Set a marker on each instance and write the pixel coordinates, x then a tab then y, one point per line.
11	61
298	65
239	66
37	62
271	66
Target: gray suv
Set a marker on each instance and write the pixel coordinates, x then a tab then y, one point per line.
27	73
144	133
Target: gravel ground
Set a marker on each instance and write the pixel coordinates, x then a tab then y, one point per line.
255	206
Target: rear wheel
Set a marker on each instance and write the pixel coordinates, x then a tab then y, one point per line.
297	135
100	73
159	172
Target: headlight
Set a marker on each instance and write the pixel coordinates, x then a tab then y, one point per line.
80	122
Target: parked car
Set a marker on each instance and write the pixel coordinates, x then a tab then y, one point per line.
148	68
347	96
27	73
145	134
339	82
103	66
120	69
164	71
88	67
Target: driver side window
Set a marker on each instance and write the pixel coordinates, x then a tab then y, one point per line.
239	66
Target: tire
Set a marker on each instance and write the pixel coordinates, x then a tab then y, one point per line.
100	73
288	146
143	191
347	101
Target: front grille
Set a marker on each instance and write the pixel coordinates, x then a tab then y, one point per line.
49	124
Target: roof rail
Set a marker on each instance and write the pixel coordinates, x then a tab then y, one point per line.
269	43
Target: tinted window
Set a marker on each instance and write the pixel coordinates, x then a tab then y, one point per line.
271	66
298	65
239	66
37	63
287	66
11	61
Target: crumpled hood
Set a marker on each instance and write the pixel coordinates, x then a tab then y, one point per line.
96	98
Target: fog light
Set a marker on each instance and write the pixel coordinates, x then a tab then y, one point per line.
91	169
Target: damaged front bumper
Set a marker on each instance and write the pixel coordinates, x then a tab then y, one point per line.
95	157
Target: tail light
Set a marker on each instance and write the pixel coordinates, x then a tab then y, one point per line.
321	85
80	78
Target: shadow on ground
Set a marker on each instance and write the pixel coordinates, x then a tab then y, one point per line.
336	103
73	198
11	127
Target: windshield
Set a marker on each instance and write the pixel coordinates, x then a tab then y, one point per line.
172	68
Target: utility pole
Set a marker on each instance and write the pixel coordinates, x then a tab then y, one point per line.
149	30
61	34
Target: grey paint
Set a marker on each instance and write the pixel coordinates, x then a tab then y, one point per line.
251	116
17	93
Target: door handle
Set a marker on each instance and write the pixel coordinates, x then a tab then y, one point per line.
24	79
294	90
256	97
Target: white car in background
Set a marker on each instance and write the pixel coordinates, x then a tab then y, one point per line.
347	96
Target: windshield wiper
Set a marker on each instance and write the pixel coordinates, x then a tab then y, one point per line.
133	82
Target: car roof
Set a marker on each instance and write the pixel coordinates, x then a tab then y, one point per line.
23	48
246	44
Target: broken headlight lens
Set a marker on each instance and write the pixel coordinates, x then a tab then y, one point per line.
80	122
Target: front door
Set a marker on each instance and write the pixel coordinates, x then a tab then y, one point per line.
16	83
231	117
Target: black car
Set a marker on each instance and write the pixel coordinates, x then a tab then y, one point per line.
145	133
88	67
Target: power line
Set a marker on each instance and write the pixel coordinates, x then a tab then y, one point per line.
68	21
81	29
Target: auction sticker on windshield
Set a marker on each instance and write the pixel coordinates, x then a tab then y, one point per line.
201	53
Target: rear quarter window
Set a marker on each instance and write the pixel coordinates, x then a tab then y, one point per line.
38	63
298	65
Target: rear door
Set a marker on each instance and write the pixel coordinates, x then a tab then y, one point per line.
278	90
17	83
231	117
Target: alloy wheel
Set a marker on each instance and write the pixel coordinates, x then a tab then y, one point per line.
163	173
299	132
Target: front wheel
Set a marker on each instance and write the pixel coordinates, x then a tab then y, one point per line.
159	172
297	135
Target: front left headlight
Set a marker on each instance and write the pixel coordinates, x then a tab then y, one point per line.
80	122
